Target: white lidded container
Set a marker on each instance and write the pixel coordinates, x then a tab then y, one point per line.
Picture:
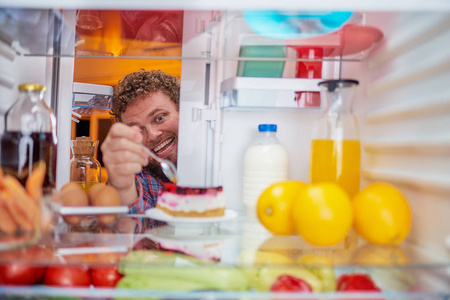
265	162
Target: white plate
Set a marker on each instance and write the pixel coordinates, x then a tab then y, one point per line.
176	233
157	214
92	210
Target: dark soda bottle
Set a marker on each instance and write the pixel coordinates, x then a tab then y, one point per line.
30	136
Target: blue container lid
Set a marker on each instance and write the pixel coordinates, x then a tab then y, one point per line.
267	127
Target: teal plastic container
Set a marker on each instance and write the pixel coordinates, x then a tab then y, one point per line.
261	68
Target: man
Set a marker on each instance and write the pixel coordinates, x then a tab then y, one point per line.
146	104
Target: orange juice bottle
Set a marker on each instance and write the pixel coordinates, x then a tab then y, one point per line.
335	146
336	161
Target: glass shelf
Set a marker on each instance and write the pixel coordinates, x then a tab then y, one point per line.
121	41
241	247
246	234
110	293
145	34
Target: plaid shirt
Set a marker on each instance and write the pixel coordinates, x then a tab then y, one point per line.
148	189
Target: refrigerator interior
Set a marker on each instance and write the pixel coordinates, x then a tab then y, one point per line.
402	106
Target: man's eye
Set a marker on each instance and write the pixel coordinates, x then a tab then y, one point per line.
159	119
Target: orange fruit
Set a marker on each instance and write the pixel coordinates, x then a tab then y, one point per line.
382	214
323	214
274	206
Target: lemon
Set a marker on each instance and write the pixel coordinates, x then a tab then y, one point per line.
382	214
287	245
256	257
323	214
379	255
274	206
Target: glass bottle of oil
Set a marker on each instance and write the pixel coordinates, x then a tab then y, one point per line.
30	136
335	147
84	168
28	142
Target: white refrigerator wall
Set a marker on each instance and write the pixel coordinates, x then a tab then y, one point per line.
199	114
16	69
405	120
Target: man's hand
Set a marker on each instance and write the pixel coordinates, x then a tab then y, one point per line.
123	158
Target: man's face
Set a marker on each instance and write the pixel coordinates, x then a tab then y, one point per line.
157	117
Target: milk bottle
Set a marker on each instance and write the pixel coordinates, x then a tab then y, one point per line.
265	162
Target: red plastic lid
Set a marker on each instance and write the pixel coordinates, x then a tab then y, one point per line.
350	39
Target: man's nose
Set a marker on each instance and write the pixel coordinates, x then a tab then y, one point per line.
152	132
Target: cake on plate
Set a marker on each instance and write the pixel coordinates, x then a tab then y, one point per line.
181	201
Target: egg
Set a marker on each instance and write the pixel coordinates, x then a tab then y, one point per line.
73	195
106	196
70	185
93	190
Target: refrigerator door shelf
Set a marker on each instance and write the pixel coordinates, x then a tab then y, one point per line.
265	92
91	98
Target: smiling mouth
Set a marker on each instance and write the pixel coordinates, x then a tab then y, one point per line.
163	148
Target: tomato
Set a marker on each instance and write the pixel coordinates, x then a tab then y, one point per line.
24	266
105	276
21	274
67	276
356	282
288	283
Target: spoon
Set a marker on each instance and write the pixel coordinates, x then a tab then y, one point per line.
167	166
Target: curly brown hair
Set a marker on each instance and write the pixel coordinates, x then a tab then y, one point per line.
140	84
